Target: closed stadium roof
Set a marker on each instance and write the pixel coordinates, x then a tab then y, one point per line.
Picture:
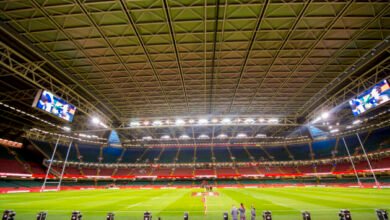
129	60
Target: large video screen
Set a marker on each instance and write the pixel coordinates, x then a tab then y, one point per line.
48	102
377	95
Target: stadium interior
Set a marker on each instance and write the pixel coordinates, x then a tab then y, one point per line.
194	95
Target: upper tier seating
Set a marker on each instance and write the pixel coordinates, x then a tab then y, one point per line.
131	155
278	153
168	156
323	149
221	154
240	154
186	155
258	154
150	155
300	151
111	154
203	154
11	166
89	153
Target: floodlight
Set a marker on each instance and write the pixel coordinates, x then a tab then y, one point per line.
222	136
95	120
110	216
225	216
356	122
214	120
241	135
8	215
180	122
325	115
146	123
191	121
185	216
273	120
306	215
382	214
345	214
184	136
203	136
348	127
76	215
147	138
165	137
261	120
267	215
157	123
261	136
41	216
226	121
249	121
334	130
147	216
134	124
203	121
66	128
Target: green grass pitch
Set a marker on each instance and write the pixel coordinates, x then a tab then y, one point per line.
169	204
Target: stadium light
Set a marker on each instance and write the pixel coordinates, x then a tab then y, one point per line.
157	123
273	120
66	128
203	136
348	127
261	136
214	120
241	135
41	216
249	121
95	120
191	121
165	137
146	123
261	120
147	138
382	214
184	136
8	215
180	122
345	214
203	121
226	121
324	115
356	122
222	136
134	124
334	130
76	215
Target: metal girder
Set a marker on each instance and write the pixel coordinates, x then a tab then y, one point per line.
33	73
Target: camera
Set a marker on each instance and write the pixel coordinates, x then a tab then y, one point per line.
382	214
110	216
76	215
267	215
147	216
8	215
41	216
345	214
306	215
185	215
225	216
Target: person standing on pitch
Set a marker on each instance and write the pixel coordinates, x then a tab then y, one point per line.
242	212
253	213
234	213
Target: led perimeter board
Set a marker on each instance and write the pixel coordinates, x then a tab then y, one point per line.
48	102
371	98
